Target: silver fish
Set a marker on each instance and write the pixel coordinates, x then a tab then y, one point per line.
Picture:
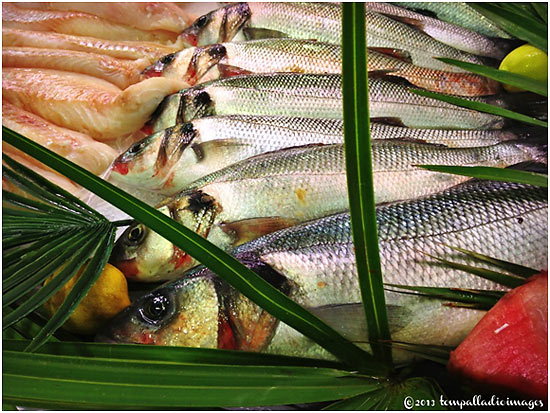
459	13
277	189
314	264
169	160
318	21
211	62
316	96
450	34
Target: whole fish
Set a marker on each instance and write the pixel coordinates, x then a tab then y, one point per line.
317	21
173	158
450	34
281	188
317	96
314	264
210	62
459	13
170	159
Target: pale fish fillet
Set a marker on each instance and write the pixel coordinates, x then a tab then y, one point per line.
120	49
77	147
120	72
78	24
40	169
84	103
145	16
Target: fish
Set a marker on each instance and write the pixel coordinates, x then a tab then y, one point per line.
83	103
461	14
77	147
120	49
174	157
447	33
321	22
77	24
145	16
314	264
319	96
120	72
281	188
306	56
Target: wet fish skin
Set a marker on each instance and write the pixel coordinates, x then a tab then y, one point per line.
459	13
450	34
313	264
307	56
277	189
173	158
317	96
321	21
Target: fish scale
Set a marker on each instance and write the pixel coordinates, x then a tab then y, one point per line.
274	190
318	96
507	221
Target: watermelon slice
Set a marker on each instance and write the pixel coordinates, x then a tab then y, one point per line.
508	348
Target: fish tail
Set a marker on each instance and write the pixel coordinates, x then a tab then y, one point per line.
505	46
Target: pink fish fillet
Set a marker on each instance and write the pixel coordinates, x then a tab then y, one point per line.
120	72
78	24
84	103
77	147
120	49
145	16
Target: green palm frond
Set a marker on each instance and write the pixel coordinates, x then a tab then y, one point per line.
45	232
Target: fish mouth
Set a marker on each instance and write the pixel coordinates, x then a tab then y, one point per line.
189	38
120	167
128	267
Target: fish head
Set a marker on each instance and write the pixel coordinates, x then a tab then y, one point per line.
196	310
143	255
184	312
218	26
196	103
189	65
137	164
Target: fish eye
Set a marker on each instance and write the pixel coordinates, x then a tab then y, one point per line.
136	148
217	51
201	21
156	308
169	58
136	234
203	98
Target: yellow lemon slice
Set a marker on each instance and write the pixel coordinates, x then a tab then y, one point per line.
528	61
107	297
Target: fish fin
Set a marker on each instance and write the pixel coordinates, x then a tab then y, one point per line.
381	73
252	328
254	33
229	71
349	319
407	20
200	149
249	229
400	54
407	140
389	120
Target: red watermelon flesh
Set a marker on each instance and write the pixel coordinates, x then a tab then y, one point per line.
508	348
